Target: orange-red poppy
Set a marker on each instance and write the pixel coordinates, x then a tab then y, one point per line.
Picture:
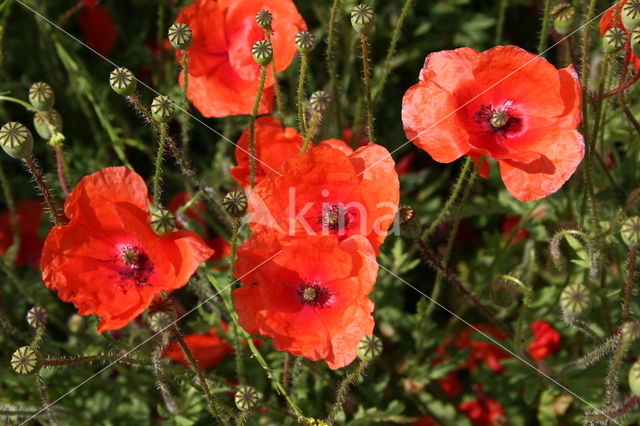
208	349
308	294
326	191
29	216
480	351
107	260
97	26
546	340
223	76
504	103
482	411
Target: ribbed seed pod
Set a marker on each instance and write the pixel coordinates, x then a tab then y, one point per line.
369	348
305	41
26	360
180	35
160	321
246	398
635	41
630	231
122	81
37	317
613	40
162	221
575	299
16	140
319	101
562	15
631	14
235	203
162	108
262	52
264	18
41	96
362	18
41	121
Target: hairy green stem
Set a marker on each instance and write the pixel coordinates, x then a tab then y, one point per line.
304	63
185	120
157	175
502	9
521	327
60	170
312	130
631	275
544	33
279	107
366	75
611	381
343	388
252	127
51	362
331	62
33	168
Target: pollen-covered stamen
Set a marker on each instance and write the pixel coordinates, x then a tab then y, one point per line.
336	218
497	120
313	295
136	267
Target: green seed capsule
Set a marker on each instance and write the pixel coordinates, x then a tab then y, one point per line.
264	18
235	203
362	18
631	14
630	331
634	378
575	299
122	81
635	41
319	101
305	41
562	15
162	108
41	96
409	222
16	140
37	317
26	360
41	122
262	52
160	321
369	348
180	35
630	231
162	221
246	398
613	40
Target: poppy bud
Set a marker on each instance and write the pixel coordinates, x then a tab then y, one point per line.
75	323
262	52
235	203
562	15
635	41
264	18
631	14
409	222
41	122
319	100
162	108
246	398
16	140
37	317
180	35
122	81
362	18
630	331
369	348
613	40
634	378
41	96
26	360
162	221
630	231
305	41
575	299
160	321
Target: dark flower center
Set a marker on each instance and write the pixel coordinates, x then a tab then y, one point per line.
499	121
313	295
136	267
336	218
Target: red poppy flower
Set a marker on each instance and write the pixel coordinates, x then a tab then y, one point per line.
504	103
326	191
450	384
98	28
29	215
208	349
221	249
107	260
482	351
308	294
606	23
546	340
482	411
223	76
507	226
425	421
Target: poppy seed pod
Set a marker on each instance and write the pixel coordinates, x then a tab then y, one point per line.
16	140
41	122
235	203
37	317
613	40
264	18
305	41
630	331
26	360
630	231
319	100
562	14
635	41
362	18
246	398
369	348
160	321
122	81
41	96
262	52
180	35
409	222
162	221
575	299
162	108
631	14
634	378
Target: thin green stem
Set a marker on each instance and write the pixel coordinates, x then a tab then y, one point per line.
544	33
584	64
51	362
304	63
366	75
312	130
33	168
28	106
631	275
237	344
611	381
279	108
502	9
157	175
331	63
62	179
252	127
185	119
43	398
343	388
519	337
13	215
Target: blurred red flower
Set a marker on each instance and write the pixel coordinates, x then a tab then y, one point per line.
482	411
308	294
327	191
425	421
507	226
195	212
482	351
504	103
223	76
546	340
108	261
97	26
29	215
208	349
606	23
